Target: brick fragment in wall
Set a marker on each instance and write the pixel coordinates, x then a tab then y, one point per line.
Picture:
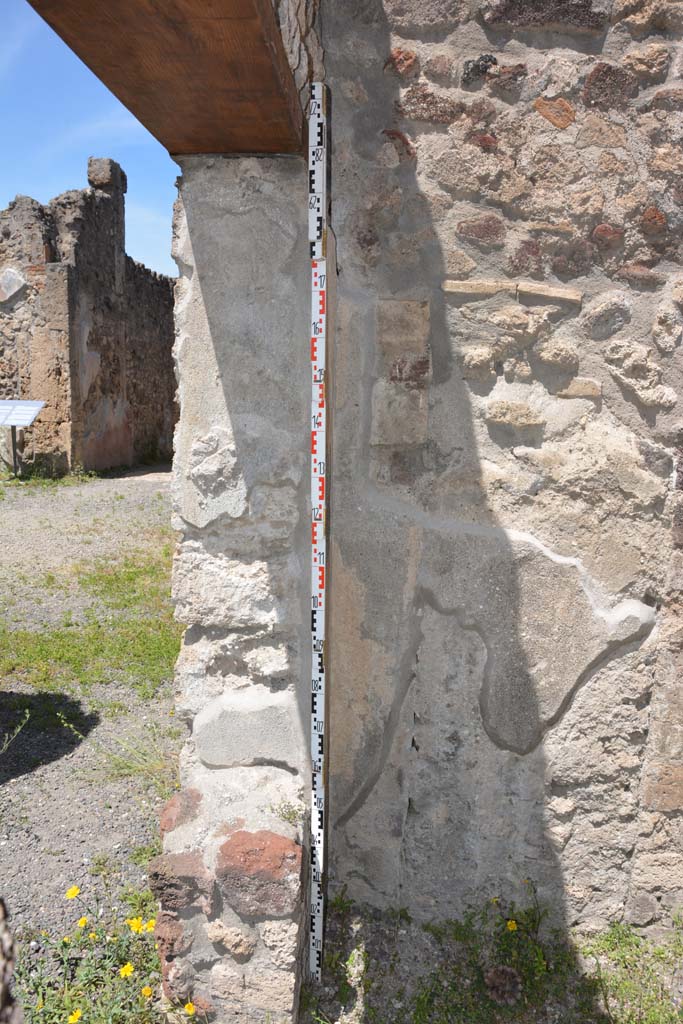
404	63
571	15
181	808
181	881
559	111
259	870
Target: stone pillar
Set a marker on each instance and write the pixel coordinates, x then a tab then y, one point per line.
230	879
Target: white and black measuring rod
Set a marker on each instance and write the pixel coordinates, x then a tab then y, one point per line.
317	235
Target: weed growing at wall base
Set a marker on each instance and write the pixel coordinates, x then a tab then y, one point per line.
498	963
105	971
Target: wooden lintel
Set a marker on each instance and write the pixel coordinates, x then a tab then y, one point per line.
204	76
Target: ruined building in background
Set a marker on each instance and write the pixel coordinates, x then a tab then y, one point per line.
85	328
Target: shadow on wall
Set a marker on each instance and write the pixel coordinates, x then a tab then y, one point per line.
37	722
456	640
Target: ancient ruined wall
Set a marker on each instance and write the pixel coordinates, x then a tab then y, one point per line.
86	329
149	328
230	878
34	328
506	586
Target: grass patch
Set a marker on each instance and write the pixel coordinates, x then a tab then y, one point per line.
144	759
38	477
106	970
130	636
499	963
142	855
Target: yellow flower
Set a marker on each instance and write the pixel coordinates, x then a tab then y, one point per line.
74	1017
40	1004
92	935
512	926
66	939
146	991
135	924
149	927
71	894
126	970
82	921
189	1009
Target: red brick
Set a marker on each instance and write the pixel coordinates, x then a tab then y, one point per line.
607	235
485	140
259	873
653	221
488	230
559	112
182	807
404	62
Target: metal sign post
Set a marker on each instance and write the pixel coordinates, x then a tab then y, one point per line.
317	234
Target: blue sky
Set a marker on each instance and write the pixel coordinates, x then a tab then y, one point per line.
56	113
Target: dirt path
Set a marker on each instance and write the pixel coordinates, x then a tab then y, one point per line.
87	643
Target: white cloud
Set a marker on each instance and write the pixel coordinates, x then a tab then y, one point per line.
116	127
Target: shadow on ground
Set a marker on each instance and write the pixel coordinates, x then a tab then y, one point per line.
50	726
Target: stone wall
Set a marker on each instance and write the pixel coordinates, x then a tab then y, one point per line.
86	329
505	577
230	879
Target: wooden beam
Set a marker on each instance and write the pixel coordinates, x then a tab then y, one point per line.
204	76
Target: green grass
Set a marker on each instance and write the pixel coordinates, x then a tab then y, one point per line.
33	478
104	970
497	964
142	855
129	634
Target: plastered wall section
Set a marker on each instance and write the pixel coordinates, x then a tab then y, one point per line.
506	572
230	879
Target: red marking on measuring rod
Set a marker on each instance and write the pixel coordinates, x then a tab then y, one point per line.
317	236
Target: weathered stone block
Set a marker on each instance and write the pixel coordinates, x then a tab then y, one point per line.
402	327
607	316
250	726
420	103
259	874
213	590
106	174
240	943
663	788
486	231
181	880
581	387
608	86
399	415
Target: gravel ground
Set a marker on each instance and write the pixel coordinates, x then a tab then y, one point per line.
65	816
